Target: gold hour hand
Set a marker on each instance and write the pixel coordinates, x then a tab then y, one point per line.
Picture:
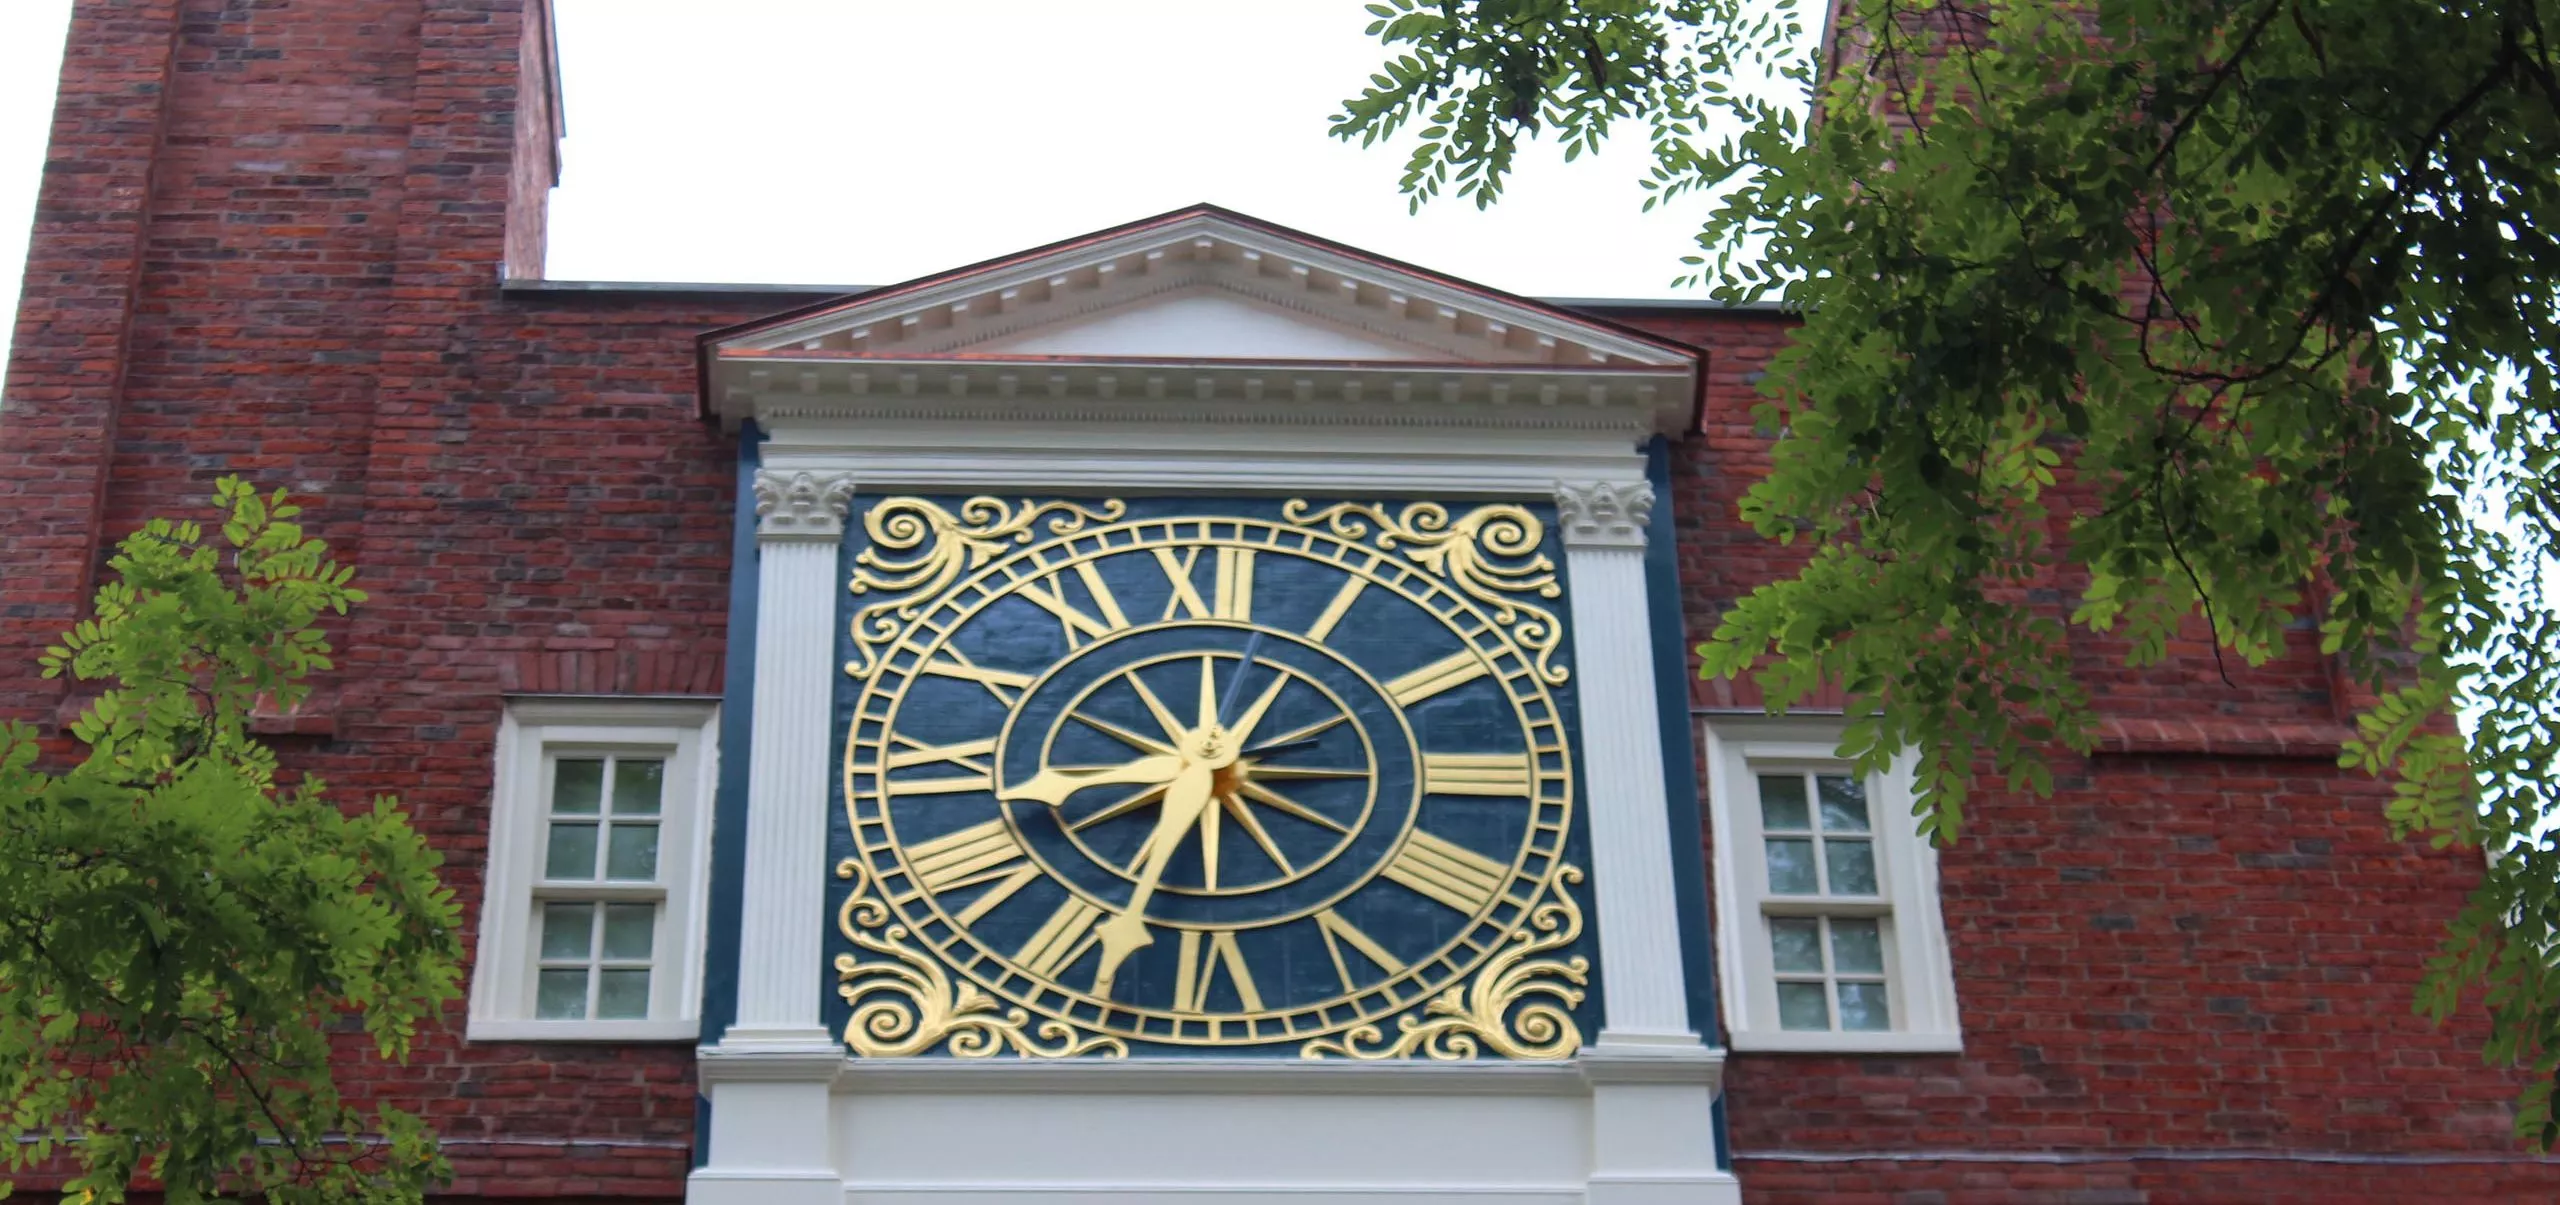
1052	787
1126	933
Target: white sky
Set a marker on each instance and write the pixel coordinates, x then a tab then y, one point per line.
868	141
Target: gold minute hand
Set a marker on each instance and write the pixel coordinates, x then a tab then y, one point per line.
1052	787
1126	933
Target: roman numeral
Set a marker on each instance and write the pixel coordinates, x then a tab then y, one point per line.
1052	597
1446	871
1186	600
1005	685
966	755
1339	607
1502	774
1456	669
1060	941
1230	598
1235	584
1338	933
1197	968
980	853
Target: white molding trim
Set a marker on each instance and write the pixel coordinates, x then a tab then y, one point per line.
1921	971
783	386
1604	514
1180	457
801	506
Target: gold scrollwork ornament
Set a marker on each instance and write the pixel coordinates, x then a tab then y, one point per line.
906	1005
1518	1007
1491	553
918	548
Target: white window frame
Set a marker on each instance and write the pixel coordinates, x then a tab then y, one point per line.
1919	974
533	733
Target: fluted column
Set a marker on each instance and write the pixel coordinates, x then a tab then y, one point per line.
1603	528
800	526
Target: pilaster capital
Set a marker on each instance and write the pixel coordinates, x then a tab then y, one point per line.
801	505
1603	514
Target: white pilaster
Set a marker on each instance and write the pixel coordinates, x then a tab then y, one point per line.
1603	528
769	1077
800	525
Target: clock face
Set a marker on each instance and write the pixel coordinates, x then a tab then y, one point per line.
1206	779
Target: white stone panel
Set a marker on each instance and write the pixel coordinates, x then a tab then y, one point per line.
1202	325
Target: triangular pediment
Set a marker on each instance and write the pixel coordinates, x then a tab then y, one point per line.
1243	288
1198	291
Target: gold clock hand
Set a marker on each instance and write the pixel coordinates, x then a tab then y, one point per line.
1126	933
1052	787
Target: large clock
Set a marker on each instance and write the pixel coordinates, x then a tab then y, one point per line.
1260	775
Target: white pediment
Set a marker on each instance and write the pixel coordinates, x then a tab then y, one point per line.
1205	322
1203	304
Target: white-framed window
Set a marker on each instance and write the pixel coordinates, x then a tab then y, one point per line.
1827	920
599	860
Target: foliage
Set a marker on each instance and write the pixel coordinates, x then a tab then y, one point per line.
2217	312
185	932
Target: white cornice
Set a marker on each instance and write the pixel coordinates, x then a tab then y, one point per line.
1640	401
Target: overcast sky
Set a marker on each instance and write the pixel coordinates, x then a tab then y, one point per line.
865	142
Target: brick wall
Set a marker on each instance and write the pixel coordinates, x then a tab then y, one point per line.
268	243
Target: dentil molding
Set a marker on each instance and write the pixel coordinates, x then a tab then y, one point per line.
802	506
1603	514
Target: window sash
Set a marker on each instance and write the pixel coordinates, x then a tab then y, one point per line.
536	735
1919	1000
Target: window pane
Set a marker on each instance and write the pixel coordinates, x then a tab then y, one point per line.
1801	1006
562	996
1857	948
577	785
1862	1007
628	928
567	929
623	996
1791	868
1795	943
636	786
1782	804
1852	865
633	853
1844	803
572	854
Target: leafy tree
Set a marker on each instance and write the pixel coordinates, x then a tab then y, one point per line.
2196	311
184	932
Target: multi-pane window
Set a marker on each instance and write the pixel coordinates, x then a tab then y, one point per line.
601	842
600	825
1826	939
1826	898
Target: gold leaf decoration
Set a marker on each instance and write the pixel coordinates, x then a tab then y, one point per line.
918	549
1491	554
904	1003
1518	1006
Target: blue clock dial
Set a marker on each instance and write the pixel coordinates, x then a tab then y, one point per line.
1208	780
